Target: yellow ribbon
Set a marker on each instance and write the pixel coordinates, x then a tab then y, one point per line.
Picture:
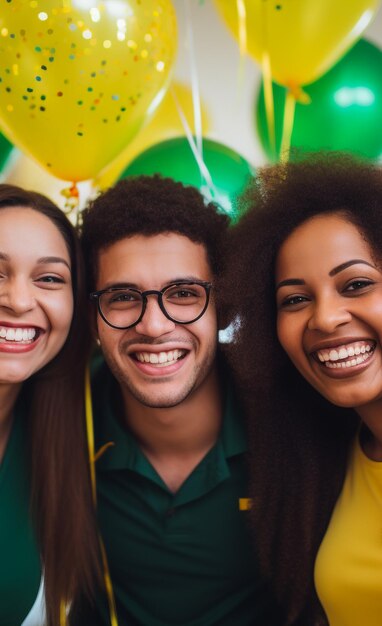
90	439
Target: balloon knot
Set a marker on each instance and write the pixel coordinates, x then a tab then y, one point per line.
299	94
72	199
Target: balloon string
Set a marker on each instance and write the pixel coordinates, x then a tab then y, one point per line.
242	35
204	172
90	440
267	78
290	105
194	81
268	100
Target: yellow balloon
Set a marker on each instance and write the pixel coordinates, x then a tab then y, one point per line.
78	78
302	38
165	123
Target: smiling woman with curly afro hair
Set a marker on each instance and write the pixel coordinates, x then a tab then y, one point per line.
299	442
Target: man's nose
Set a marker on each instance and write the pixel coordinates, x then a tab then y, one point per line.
154	323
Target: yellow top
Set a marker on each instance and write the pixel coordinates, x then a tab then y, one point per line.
348	570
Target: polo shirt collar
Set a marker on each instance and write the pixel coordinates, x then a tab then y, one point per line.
125	453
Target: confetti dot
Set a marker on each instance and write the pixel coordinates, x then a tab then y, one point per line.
160	66
4	32
42	108
25	97
123	109
107	43
38	78
8	89
22	32
79	102
72	27
93	74
115	97
12	36
50	31
51	59
38	49
59	94
72	57
29	89
87	34
10	108
42	16
80	134
117	119
43	67
90	89
43	98
95	15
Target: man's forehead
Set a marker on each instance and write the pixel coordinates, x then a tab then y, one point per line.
164	257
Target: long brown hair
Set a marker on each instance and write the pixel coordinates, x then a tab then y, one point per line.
60	485
299	442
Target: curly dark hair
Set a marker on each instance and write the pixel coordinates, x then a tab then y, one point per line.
150	205
299	442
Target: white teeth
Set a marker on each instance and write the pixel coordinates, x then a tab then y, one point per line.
344	352
17	334
350	363
159	358
333	355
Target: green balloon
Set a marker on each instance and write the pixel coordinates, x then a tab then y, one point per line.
345	112
174	158
5	150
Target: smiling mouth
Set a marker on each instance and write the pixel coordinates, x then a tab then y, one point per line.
345	356
160	359
20	336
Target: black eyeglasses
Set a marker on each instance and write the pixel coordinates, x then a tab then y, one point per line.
182	302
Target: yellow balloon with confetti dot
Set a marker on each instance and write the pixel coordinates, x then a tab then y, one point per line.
79	78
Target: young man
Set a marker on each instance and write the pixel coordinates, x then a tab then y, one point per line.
172	488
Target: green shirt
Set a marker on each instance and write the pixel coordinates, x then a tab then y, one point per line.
179	559
20	569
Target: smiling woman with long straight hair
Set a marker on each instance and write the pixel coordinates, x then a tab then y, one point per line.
306	285
46	520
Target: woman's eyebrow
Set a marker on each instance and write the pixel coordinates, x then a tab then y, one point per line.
343	266
53	259
290	281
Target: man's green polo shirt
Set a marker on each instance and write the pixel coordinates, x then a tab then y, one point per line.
179	559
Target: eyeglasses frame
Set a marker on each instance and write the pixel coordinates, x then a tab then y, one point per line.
95	296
